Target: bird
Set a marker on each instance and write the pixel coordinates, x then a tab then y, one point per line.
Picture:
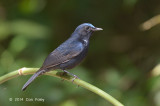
69	54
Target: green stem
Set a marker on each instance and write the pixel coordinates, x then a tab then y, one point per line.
27	71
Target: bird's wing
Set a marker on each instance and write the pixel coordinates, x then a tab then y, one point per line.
63	53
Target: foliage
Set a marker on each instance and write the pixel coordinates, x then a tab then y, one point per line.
121	59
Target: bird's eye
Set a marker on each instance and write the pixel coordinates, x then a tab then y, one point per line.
87	28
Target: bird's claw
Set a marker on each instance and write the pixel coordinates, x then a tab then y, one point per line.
74	78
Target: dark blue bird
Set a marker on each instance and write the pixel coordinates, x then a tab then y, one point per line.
68	54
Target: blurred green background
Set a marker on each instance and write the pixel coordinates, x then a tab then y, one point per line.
122	60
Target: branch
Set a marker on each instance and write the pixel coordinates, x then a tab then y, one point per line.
150	23
27	71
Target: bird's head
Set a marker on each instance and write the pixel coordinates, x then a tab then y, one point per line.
86	29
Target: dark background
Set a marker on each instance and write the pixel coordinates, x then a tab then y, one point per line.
120	61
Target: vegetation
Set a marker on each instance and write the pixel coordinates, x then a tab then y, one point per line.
123	59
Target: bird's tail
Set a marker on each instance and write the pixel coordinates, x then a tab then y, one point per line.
39	72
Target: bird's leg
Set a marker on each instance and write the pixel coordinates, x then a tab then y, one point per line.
72	75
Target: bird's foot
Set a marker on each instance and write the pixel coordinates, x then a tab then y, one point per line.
74	78
72	75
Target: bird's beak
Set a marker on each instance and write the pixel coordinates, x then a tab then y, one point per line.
96	29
